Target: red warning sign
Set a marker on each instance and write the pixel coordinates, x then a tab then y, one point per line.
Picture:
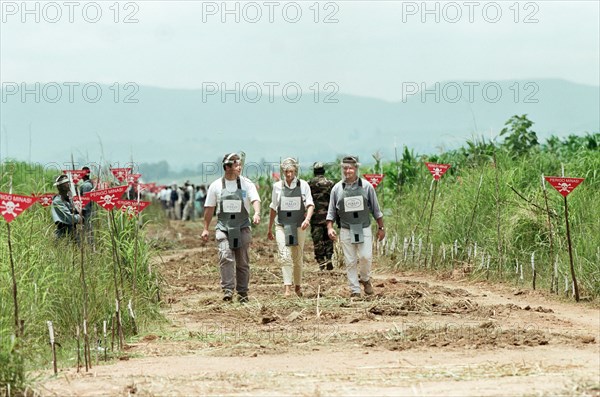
76	175
374	179
120	173
13	205
133	178
564	185
107	198
132	207
437	170
80	201
45	199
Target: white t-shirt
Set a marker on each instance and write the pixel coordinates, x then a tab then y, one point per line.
304	191
249	192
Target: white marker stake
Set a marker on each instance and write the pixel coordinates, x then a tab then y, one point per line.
104	333
53	346
521	270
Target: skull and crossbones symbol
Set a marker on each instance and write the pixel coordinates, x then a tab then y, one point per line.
120	175
564	187
46	200
107	200
437	171
130	210
10	208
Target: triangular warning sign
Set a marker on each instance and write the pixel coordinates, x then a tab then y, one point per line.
80	201
45	199
13	205
564	185
437	170
374	179
121	173
107	198
132	207
76	175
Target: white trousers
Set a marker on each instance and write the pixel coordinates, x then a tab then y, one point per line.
358	257
291	258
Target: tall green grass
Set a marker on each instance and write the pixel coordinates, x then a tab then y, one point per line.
48	274
514	206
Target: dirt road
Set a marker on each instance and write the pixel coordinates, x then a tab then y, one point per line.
419	335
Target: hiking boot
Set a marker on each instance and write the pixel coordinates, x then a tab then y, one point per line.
243	297
298	290
227	295
368	287
355	295
329	266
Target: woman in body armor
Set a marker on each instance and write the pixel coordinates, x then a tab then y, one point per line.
353	199
232	195
291	209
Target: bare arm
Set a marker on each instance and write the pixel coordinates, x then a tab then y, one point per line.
272	214
208	214
256	217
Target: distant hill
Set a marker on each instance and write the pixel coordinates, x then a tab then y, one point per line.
181	128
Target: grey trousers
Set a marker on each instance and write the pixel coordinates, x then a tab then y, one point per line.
234	264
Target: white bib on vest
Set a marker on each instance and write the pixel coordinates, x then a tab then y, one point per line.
290	203
232	206
354	203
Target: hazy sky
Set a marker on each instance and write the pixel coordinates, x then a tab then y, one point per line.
370	48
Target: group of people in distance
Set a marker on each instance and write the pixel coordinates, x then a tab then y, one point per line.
295	205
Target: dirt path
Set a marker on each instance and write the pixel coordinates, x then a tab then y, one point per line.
417	336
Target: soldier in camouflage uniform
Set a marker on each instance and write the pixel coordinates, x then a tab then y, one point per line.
320	188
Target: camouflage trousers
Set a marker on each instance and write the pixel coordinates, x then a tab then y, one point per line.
323	246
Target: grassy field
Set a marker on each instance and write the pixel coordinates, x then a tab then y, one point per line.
490	216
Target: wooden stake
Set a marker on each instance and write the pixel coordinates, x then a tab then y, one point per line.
534	274
14	283
575	286
105	345
78	348
499	235
554	280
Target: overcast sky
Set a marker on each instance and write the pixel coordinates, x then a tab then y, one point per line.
369	48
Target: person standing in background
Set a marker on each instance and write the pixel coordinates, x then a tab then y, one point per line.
320	188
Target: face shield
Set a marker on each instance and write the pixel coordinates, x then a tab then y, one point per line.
349	162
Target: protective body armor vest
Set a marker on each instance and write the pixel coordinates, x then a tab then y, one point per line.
354	211
62	228
290	212
233	215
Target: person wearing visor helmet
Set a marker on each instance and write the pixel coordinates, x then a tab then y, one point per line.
291	210
232	196
353	200
63	212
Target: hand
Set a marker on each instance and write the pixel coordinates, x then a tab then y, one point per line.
256	219
204	235
270	235
332	234
380	234
305	224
